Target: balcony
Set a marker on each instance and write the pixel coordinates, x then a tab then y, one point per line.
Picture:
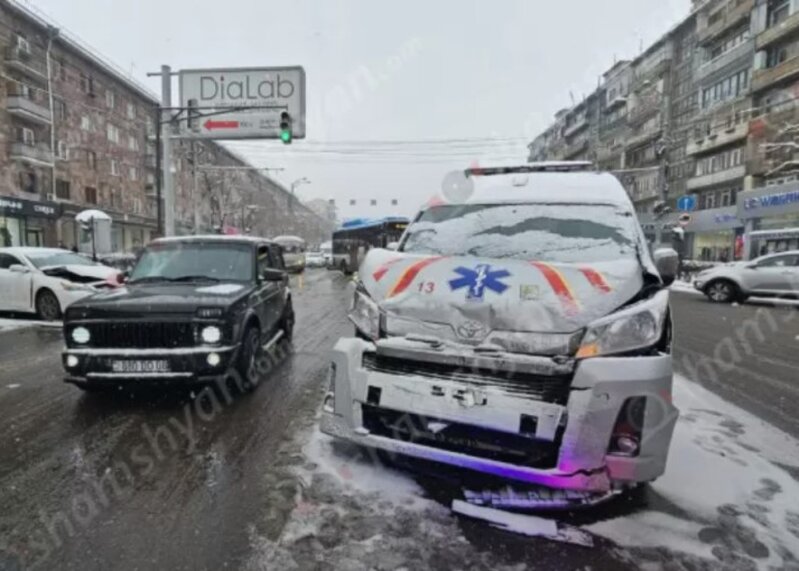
734	15
775	33
617	101
716	178
641	136
717	138
572	151
575	127
743	52
764	78
26	63
36	154
644	110
24	105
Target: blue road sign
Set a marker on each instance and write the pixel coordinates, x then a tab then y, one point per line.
686	203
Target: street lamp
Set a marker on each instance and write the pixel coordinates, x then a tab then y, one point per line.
298	182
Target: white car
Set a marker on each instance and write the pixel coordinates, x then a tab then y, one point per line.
315	260
46	281
774	275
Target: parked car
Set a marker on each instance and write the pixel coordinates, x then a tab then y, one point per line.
315	260
194	310
524	333
46	281
775	275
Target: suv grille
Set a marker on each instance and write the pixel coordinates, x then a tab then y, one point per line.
552	389
133	335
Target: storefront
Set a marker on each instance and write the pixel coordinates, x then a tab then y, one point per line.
771	217
714	235
28	222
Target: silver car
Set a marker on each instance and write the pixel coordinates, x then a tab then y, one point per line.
775	275
523	332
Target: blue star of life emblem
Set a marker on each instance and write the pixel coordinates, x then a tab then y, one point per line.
478	280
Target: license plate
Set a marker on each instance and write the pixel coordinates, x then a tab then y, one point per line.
153	366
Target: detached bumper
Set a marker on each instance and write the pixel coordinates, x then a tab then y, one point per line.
523	420
112	366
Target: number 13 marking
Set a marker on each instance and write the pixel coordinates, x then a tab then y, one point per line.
427	287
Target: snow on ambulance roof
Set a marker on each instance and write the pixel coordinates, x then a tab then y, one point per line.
554	182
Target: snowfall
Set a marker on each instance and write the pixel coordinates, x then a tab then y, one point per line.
729	499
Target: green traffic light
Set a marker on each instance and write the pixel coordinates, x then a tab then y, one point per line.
285	136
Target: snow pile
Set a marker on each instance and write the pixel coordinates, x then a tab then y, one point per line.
14	324
725	472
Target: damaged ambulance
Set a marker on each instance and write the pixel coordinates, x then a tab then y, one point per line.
522	331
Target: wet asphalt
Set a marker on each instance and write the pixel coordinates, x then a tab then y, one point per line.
169	481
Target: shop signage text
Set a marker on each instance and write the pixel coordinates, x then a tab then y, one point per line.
772	200
19	207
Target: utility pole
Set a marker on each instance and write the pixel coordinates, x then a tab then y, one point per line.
52	33
166	144
195	197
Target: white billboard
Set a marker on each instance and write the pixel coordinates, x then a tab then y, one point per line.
249	101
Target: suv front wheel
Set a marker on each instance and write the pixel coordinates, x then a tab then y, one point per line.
723	291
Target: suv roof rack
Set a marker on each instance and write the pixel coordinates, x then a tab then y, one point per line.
554	166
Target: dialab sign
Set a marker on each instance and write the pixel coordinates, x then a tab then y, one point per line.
245	103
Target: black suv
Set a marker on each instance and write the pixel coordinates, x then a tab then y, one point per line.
193	310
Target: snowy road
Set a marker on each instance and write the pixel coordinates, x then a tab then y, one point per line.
167	482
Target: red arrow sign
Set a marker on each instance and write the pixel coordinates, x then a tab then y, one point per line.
211	125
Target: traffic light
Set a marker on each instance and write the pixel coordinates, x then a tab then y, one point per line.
285	127
193	116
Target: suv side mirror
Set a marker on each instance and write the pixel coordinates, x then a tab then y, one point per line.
392	246
273	275
19	269
667	262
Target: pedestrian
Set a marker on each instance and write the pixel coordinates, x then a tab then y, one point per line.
74	248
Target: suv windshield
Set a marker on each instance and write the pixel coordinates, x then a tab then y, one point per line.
195	260
46	259
537	231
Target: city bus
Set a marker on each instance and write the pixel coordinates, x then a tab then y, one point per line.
356	237
293	252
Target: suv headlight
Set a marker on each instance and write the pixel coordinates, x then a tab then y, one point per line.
211	334
365	314
639	326
81	335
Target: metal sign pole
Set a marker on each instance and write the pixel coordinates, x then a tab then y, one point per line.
166	146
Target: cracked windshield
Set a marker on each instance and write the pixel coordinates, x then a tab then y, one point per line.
355	285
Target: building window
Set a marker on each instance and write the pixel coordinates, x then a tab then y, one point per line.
110	99
59	69
114	167
60	109
23	45
710	200
112	132
86	123
133	173
776	56
777	11
87	84
26	135
115	198
91	160
90	194
133	144
63	151
27	181
726	197
728	88
131	111
62	189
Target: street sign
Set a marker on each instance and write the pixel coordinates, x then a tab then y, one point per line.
686	203
244	103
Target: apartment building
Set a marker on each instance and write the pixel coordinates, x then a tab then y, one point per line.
92	145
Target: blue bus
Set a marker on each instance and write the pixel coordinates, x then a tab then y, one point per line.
356	237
